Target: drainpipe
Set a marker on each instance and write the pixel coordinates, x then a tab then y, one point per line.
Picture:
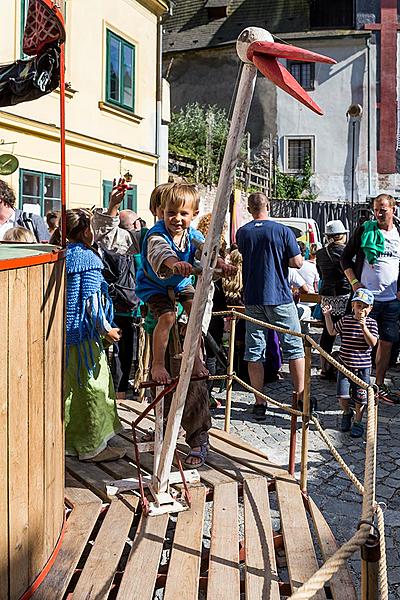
158	100
368	43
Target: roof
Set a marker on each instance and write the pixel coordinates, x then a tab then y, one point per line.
190	27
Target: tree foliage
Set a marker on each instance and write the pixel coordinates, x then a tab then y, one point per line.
293	187
199	133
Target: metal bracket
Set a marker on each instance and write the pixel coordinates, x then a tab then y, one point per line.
133	483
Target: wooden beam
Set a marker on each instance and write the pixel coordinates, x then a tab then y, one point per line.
208	260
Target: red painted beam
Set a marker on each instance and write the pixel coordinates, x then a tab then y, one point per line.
388	111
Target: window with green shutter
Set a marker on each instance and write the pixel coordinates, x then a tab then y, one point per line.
130	199
120	77
39	193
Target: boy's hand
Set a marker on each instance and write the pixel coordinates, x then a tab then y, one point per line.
326	309
183	268
114	335
363	322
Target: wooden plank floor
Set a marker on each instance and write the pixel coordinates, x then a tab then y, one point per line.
224	547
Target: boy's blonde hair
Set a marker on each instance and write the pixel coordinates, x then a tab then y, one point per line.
155	198
177	194
19	234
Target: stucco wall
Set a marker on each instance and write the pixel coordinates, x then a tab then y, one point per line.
336	88
100	143
209	77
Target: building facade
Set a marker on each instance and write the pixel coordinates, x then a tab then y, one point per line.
113	107
351	156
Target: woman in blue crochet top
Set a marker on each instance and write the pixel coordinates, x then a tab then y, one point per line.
90	410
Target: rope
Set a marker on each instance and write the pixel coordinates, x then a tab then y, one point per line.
369	506
140	371
382	562
332	565
284	407
337	456
332	361
339	366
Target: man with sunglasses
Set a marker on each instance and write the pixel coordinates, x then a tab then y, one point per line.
371	260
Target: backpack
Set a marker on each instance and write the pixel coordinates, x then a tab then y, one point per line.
119	273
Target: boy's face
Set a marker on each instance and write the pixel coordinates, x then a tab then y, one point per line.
361	309
178	219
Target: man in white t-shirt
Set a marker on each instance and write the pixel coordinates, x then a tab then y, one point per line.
371	260
13	217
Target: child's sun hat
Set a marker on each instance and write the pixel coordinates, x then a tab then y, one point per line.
363	295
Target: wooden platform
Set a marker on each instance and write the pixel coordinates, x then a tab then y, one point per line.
249	533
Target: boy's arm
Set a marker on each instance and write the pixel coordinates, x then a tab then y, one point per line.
326	310
163	260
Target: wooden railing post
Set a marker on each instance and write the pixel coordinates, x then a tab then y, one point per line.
370	555
146	364
293	428
306	416
158	436
229	383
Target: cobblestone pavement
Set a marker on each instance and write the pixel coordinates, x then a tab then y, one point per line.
330	488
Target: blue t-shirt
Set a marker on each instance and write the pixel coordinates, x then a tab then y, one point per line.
266	247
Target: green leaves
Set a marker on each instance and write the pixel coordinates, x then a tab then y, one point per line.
199	133
294	187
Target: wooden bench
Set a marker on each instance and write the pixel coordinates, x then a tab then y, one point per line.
109	548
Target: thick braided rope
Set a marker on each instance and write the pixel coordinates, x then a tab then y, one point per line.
140	374
318	426
332	565
337	456
335	363
284	407
382	562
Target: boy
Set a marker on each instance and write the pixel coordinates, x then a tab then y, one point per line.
168	254
359	334
155	201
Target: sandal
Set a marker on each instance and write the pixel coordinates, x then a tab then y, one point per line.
201	454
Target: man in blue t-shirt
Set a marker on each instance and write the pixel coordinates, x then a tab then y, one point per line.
268	250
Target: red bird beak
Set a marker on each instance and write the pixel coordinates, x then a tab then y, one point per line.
264	54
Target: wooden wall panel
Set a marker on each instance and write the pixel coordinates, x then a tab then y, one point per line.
18	432
31	422
4	435
37	554
54	435
59	396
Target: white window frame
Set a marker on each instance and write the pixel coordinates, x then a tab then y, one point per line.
286	140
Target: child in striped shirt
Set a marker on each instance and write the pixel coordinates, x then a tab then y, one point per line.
359	334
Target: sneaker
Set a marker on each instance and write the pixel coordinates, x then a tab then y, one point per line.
357	430
259	411
346	421
387	395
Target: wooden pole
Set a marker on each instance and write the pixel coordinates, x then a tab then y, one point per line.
229	383
158	435
306	416
370	555
146	363
62	145
293	429
208	260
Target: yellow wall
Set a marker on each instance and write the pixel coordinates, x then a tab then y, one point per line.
99	142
